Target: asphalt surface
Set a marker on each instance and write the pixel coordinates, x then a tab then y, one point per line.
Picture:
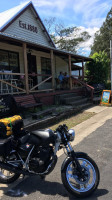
98	145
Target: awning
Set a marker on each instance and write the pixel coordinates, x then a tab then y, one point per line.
12	39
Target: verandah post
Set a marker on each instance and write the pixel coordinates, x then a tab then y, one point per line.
52	68
82	70
70	72
25	68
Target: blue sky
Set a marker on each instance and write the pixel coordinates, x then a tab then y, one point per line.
88	14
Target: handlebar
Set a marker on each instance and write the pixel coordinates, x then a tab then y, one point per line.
62	128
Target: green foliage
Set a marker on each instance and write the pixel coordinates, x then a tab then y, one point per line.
99	68
108	85
66	39
103	36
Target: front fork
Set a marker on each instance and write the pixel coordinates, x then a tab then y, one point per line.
73	155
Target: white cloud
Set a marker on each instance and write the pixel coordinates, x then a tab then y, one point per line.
58	4
85	47
92	11
96	22
88	13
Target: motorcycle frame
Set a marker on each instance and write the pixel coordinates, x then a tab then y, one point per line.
59	140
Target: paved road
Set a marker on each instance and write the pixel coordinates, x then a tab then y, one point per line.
98	145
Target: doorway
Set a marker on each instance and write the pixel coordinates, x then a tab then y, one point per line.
32	68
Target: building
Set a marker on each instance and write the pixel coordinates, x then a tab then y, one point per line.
29	60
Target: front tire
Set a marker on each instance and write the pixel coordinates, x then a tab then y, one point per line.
74	183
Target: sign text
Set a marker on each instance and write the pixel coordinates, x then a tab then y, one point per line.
28	26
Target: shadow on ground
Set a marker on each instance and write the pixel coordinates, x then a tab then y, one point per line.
35	184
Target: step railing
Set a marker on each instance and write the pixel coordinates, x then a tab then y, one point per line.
88	87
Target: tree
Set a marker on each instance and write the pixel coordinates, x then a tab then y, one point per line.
99	68
103	36
67	39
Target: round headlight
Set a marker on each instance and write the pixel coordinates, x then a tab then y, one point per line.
71	134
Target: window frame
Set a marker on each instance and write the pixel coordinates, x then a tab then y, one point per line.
9	65
46	60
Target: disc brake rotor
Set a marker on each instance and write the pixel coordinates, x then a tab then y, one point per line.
84	178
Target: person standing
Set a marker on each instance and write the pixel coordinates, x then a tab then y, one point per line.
66	79
61	79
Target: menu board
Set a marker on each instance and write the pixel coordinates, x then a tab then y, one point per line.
105	96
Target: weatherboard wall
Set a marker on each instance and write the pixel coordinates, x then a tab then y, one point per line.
19	29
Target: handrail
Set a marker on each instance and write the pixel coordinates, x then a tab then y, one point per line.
85	84
40	83
7	83
4	81
17	74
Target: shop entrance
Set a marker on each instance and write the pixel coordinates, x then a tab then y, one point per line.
32	68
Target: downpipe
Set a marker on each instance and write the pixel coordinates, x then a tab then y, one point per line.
13	169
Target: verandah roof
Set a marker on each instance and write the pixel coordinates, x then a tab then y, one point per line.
12	39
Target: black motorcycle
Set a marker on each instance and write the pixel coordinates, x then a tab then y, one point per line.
34	153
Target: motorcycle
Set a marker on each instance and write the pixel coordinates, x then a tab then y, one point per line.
34	153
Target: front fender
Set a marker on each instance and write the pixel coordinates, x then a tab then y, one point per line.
80	154
77	154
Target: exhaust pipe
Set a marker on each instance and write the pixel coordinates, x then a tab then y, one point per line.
13	169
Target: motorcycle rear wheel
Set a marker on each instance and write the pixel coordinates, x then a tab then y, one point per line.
74	183
7	177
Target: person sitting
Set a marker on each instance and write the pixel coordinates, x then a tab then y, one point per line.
61	79
66	79
66	76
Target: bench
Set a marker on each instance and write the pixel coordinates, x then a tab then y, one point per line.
27	101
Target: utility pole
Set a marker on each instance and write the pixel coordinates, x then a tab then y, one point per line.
111	66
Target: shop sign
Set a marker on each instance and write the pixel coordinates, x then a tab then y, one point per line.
28	27
105	99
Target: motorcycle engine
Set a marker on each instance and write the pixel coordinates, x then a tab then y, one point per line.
40	160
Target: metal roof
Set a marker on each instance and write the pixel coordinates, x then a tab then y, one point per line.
10	15
7	16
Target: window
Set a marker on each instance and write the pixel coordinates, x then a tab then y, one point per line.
46	67
4	60
9	61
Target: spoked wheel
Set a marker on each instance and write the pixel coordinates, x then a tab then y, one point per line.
7	177
81	185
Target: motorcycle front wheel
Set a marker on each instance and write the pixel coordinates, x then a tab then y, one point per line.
77	184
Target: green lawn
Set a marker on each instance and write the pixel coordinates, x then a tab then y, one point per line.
74	120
